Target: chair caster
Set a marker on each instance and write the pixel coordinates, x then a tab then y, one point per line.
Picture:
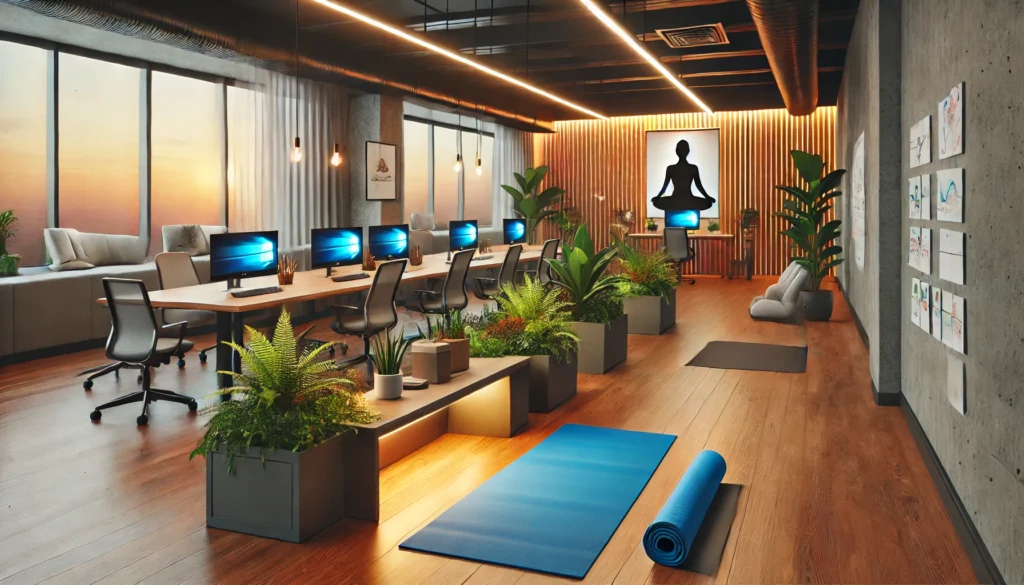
117	375
95	415
192	406
142	420
331	351
181	363
202	358
88	386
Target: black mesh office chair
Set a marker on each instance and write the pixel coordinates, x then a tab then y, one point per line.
135	341
488	288
677	246
378	311
548	252
452	295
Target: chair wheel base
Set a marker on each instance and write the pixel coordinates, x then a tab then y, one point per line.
202	358
88	386
192	406
95	415
181	363
142	420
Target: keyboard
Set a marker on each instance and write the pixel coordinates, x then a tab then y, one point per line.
484	257
255	292
349	277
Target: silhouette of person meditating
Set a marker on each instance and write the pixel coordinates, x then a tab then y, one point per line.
682	175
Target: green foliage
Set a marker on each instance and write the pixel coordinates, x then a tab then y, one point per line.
714	226
286	400
451	326
387	351
528	203
646	274
581	274
7	221
651	225
805	210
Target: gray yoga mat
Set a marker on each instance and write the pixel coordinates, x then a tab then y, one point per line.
763	357
706	554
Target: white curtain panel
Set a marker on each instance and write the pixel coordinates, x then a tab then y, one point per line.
513	152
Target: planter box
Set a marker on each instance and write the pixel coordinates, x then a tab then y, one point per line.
292	497
602	347
551	382
649	315
460	354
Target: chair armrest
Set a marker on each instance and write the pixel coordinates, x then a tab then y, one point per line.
484	279
347	309
432	293
175	330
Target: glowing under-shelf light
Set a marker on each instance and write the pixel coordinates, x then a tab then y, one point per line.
416	40
630	40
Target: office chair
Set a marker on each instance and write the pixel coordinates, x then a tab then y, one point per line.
488	288
548	252
677	245
135	341
452	295
378	311
176	270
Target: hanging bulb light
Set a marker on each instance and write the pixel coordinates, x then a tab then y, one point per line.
479	167
479	139
296	151
336	157
458	163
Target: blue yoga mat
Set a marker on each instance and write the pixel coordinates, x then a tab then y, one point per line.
669	539
554	509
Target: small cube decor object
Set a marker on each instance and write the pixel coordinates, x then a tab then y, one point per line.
286	267
649	315
432	361
460	353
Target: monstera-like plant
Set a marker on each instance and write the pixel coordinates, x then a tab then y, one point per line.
529	202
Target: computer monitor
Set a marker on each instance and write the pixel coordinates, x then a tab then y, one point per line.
235	256
389	242
689	219
332	247
462	235
514	231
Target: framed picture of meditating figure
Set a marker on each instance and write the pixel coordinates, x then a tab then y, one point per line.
682	171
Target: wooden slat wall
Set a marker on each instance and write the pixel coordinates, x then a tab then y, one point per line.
595	158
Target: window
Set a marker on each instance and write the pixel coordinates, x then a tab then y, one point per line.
416	178
479	189
187	154
23	124
244	179
446	180
98	151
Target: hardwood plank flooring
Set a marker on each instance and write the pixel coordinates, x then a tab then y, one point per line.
833	487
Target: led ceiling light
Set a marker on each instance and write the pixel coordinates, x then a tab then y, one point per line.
416	40
630	40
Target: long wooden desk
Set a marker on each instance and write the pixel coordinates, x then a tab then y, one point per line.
725	240
307	286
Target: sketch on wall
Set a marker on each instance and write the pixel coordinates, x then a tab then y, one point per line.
949	204
915	301
857	202
683	171
954	321
381	168
925	316
926	196
952	246
921	142
956	383
915	246
924	251
914	197
951	123
937	313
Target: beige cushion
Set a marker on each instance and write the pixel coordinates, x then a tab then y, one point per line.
787	307
58	246
174	238
421	221
70	249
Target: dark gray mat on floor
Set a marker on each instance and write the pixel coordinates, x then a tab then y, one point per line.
709	544
763	357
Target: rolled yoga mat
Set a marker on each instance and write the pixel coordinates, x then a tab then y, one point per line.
669	539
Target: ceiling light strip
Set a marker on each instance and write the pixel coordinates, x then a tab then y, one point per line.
416	40
630	40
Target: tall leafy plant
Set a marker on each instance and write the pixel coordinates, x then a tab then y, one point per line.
581	274
805	210
646	274
529	202
7	221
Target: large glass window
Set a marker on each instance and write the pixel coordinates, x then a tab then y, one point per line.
446	180
479	189
187	168
416	178
23	99
98	154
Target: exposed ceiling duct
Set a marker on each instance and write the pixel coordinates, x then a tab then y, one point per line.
789	33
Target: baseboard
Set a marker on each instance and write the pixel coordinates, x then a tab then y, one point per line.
885	398
856	318
984	566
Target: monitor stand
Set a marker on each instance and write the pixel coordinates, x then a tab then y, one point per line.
234	283
449	260
328	275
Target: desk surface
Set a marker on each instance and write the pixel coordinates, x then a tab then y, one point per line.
307	286
691	235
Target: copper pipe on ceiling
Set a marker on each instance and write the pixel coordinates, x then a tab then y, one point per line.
788	30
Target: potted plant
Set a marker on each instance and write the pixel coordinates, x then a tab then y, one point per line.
528	203
273	453
531	320
805	211
714	226
651	225
595	301
451	330
386	355
648	289
8	262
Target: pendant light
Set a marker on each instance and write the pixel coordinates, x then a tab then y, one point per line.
479	140
458	147
336	157
297	148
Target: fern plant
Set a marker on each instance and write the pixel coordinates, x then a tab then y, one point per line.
646	274
581	274
531	319
286	399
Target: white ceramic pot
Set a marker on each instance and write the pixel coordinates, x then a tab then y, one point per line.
387	387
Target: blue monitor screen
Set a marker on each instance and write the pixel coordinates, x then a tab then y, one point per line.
389	242
462	235
689	219
336	247
515	231
242	255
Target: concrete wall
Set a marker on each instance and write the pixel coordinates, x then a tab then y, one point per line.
376	118
979	42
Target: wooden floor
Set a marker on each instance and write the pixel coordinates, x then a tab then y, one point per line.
834	488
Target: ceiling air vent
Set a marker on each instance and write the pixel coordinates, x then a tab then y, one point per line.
694	36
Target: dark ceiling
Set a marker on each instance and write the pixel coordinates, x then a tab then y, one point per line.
554	44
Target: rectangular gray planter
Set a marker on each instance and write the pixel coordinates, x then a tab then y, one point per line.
552	382
602	346
292	498
649	315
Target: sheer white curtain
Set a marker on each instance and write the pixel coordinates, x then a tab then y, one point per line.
513	152
266	190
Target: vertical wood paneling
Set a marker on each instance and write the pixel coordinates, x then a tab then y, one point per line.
605	158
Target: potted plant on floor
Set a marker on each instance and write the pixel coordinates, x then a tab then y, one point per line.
648	289
8	262
528	203
273	454
531	320
386	354
595	303
805	211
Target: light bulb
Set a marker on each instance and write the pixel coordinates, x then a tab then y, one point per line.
458	163
336	157
297	151
479	167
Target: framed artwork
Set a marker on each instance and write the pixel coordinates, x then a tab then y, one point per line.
951	123
921	142
682	171
950	189
381	171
